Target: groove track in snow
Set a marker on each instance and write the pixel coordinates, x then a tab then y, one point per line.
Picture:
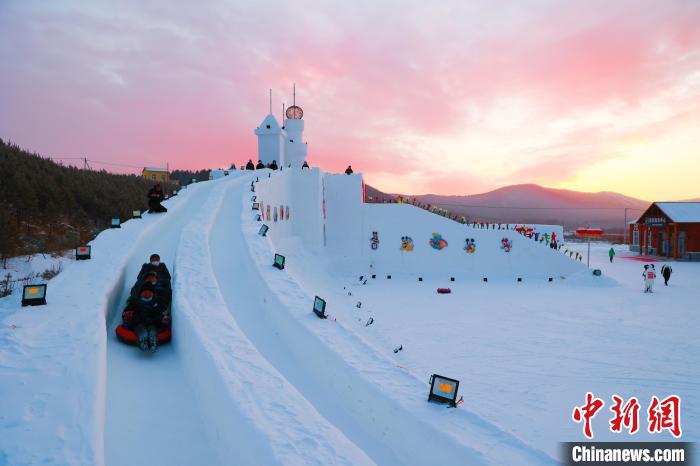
151	413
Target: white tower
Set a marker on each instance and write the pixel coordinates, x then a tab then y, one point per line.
295	149
271	141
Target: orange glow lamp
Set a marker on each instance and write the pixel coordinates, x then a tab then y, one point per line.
34	295
443	390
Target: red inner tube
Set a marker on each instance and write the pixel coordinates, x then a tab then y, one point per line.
444	290
128	336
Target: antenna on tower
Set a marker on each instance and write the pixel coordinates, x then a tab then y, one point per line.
270	101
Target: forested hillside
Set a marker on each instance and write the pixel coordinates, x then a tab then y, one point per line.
46	207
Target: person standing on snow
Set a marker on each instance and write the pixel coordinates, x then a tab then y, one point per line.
611	254
649	276
666	272
348	171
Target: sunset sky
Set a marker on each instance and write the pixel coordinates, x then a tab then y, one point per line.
448	97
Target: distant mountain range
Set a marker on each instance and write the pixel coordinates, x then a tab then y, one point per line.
531	203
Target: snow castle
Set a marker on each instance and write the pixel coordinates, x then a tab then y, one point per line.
284	144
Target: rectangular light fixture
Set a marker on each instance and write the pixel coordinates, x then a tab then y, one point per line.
174	192
279	261
320	307
254	198
136	214
256	206
116	223
34	295
83	252
443	390
258	218
263	230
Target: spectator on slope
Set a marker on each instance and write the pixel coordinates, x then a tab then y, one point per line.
611	254
348	171
666	272
249	165
305	165
154	265
273	165
155	197
146	316
260	165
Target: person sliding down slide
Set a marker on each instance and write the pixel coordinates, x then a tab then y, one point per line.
146	317
154	265
155	197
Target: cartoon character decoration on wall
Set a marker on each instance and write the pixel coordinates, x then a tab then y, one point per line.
268	214
438	242
470	245
275	213
374	240
281	212
286	212
506	244
406	243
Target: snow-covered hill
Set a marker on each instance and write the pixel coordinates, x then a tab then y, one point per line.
254	377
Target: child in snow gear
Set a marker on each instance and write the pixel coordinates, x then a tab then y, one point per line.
259	165
145	317
666	272
649	275
155	197
249	165
305	165
348	171
611	253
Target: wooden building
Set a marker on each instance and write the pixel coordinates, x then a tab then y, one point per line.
670	229
159	175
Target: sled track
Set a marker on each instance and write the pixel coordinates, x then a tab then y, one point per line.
151	413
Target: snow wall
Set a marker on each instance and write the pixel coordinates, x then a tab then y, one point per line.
329	218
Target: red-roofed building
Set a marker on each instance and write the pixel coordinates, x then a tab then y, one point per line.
670	229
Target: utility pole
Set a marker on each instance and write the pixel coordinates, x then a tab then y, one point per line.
625	228
86	166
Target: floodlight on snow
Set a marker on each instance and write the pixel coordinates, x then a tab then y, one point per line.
443	390
420	279
136	214
258	218
279	261
34	295
485	279
263	230
174	192
254	198
520	279
320	307
116	223
225	172
211	177
252	188
374	276
194	180
452	279
256	206
388	277
83	252
597	272
550	279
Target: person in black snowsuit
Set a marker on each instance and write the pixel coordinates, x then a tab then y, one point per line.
305	165
146	316
155	197
348	171
260	165
666	272
273	165
154	265
162	288
249	165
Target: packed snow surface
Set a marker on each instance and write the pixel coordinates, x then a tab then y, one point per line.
254	377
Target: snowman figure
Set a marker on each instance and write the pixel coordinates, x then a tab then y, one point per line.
649	276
